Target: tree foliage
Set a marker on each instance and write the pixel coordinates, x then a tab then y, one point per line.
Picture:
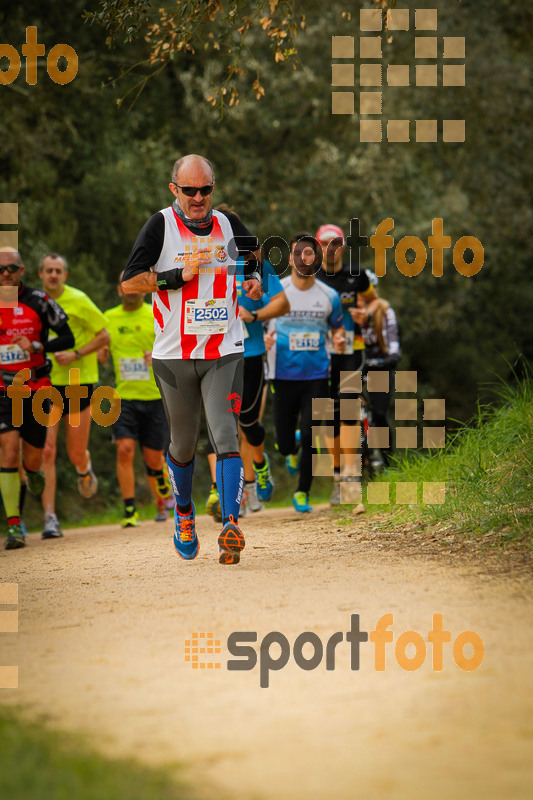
88	171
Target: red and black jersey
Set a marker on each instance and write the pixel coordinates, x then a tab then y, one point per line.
33	316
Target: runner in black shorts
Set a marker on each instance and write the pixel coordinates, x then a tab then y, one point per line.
337	274
23	345
144	421
30	431
142	418
81	404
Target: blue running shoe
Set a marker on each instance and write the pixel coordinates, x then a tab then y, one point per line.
185	539
293	461
300	502
264	483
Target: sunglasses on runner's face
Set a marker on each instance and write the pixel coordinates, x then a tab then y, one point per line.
11	268
190	191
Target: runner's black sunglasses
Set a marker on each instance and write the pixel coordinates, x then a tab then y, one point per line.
190	191
11	268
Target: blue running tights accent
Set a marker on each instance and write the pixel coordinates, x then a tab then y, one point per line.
181	479
230	479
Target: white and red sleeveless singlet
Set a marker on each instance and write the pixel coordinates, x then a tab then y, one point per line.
213	282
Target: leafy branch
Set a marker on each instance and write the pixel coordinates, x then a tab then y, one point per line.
217	26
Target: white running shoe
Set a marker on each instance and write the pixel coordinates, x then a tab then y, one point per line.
243	511
253	502
87	483
335	498
51	529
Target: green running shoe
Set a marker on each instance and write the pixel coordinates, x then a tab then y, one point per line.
35	481
15	537
212	507
263	480
130	519
293	461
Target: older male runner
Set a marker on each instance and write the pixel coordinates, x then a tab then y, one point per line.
186	255
88	326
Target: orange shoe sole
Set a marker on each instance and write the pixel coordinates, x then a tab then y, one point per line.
187	559
232	542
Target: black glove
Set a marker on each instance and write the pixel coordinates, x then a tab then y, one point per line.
171	279
252	270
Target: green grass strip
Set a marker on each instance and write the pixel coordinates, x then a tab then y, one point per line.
488	469
39	764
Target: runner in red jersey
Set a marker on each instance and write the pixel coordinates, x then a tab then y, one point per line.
186	256
26	316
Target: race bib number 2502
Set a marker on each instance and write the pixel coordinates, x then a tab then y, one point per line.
206	316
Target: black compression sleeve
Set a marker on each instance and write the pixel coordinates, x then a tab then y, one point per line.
63	341
171	279
147	248
253	269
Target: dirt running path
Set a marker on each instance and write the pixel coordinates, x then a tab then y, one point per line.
104	613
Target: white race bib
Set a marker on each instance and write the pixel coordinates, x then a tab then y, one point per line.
12	354
133	369
305	340
206	316
349	341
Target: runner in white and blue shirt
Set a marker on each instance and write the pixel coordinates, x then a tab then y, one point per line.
300	352
298	358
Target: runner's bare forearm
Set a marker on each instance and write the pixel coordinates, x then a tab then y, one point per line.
277	307
143	282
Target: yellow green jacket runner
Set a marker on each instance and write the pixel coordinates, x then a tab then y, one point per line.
132	332
85	320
